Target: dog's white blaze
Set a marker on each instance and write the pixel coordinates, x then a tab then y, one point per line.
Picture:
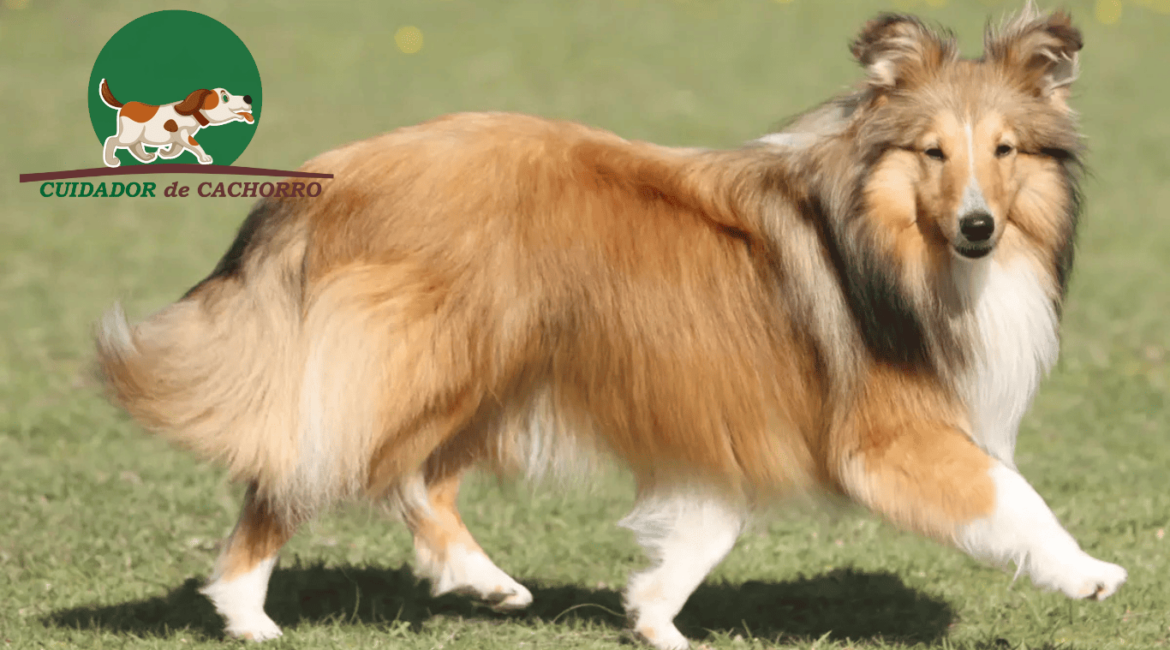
241	602
973	199
970	131
1016	344
1022	529
686	533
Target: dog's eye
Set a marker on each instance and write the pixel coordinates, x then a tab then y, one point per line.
935	153
224	97
1004	150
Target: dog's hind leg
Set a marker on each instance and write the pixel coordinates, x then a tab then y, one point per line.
909	466
171	151
127	136
239	583
686	532
109	151
140	152
445	551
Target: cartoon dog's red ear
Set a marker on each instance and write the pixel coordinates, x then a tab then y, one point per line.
895	49
193	104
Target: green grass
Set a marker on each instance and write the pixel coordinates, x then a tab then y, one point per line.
106	533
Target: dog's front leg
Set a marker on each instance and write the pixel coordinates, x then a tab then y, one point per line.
188	142
908	465
139	151
1021	528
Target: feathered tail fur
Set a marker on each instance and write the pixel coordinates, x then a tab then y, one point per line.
249	373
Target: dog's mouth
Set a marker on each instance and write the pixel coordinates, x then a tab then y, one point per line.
246	115
974	251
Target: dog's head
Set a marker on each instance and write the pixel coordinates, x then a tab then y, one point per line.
975	154
216	106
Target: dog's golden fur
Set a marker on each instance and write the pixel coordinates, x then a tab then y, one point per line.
522	293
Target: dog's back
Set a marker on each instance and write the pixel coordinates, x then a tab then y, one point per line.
468	277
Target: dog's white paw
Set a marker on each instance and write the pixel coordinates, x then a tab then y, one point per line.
472	573
652	610
253	627
205	160
663	635
240	601
509	597
1078	575
1093	579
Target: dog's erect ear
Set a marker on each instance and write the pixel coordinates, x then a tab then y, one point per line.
1039	51
897	49
192	105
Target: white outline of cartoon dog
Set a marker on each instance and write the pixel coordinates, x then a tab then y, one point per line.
171	125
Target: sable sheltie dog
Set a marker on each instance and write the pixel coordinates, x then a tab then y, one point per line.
863	304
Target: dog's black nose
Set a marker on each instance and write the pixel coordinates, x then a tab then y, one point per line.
977	226
247	99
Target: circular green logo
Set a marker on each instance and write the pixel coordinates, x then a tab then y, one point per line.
176	87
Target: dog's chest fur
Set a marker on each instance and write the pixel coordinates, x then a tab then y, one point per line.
1015	343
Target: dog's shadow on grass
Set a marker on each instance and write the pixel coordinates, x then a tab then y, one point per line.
842	604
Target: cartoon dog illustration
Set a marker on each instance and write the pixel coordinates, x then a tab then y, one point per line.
172	124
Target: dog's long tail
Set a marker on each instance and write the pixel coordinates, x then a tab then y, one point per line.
246	371
108	97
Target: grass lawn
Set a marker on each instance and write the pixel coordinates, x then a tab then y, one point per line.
106	533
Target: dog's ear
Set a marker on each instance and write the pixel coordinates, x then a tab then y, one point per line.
896	50
1039	51
193	104
210	100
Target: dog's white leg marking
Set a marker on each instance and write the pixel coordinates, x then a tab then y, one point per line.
469	571
1023	529
445	551
685	534
240	601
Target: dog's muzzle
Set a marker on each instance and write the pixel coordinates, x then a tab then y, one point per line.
976	229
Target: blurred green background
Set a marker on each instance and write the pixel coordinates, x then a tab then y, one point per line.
105	533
